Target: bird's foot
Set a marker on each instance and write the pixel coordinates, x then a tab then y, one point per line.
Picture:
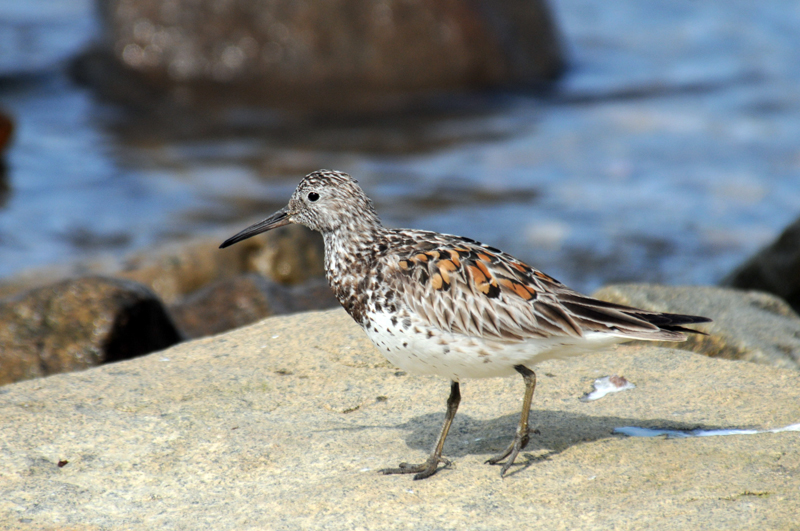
422	470
520	441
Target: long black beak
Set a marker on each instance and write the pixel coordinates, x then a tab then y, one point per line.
278	219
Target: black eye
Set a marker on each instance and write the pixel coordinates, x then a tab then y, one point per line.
313	196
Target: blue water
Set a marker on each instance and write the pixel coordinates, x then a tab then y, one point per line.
670	152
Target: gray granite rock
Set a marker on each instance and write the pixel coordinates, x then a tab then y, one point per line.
283	424
748	325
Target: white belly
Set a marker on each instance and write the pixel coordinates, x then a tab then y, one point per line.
421	349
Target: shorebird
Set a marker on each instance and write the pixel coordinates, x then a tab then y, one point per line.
453	307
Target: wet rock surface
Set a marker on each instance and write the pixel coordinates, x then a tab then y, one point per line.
77	324
774	269
747	325
272	427
335	55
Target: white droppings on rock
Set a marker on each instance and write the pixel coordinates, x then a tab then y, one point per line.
635	431
607	385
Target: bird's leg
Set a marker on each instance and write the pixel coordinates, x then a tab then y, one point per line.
429	467
521	437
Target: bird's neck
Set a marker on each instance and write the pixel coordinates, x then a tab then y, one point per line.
349	259
345	247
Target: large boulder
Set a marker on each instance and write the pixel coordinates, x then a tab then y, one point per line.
332	55
284	424
76	324
747	325
774	269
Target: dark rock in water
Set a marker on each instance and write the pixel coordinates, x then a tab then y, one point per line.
6	134
5	188
774	269
76	324
747	325
336	55
35	37
239	301
6	130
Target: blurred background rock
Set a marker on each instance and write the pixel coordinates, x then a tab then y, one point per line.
338	56
77	324
646	142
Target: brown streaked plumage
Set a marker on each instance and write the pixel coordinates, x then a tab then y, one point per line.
451	306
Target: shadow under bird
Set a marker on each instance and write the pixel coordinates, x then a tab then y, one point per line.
450	306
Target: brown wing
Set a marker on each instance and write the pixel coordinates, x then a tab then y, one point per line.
464	287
